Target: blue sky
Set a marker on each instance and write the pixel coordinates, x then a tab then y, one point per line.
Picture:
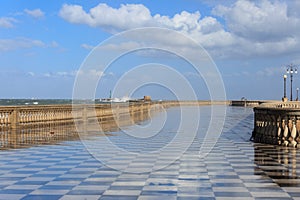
42	44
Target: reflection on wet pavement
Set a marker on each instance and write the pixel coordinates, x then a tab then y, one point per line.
64	169
54	133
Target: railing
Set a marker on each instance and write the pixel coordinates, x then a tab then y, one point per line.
277	123
22	126
14	117
38	124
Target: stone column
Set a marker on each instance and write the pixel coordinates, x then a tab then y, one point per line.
14	119
14	123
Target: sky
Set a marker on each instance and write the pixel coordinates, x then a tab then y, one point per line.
44	47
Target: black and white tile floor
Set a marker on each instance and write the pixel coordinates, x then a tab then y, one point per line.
234	169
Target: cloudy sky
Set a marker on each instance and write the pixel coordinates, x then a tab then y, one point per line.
43	45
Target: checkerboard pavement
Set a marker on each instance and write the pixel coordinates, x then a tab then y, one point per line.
234	169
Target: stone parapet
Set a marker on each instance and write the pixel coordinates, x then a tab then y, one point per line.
277	123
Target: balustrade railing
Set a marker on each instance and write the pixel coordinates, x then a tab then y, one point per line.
15	117
39	124
277	123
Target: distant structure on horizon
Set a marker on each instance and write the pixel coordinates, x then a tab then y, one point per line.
123	99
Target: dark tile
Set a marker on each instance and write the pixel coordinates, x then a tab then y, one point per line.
232	194
196	198
272	198
228	185
14	191
85	192
56	187
264	189
31	183
126	188
115	197
41	197
294	194
156	193
69	179
96	183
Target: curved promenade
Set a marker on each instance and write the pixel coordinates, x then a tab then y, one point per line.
43	124
16	117
38	124
277	123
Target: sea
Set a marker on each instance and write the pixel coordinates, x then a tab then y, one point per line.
13	102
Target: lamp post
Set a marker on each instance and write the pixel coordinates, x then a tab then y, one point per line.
284	99
297	94
291	69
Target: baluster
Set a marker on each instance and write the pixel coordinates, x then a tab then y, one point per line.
293	143
7	118
279	133
1	119
274	131
285	134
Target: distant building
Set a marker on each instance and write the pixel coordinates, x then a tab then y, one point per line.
147	98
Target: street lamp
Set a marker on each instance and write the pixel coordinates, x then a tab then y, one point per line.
291	69
297	94
284	99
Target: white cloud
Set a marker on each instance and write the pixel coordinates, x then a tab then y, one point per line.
259	21
31	73
59	74
271	71
135	16
36	13
48	75
124	46
207	30
293	8
7	22
66	74
91	73
261	28
19	43
87	46
24	43
251	28
127	16
54	44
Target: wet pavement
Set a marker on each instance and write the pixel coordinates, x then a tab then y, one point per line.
234	169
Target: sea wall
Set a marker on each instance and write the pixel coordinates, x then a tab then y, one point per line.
246	103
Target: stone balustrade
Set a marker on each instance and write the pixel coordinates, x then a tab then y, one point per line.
277	123
15	117
39	124
22	126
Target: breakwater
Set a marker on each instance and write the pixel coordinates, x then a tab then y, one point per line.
246	103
